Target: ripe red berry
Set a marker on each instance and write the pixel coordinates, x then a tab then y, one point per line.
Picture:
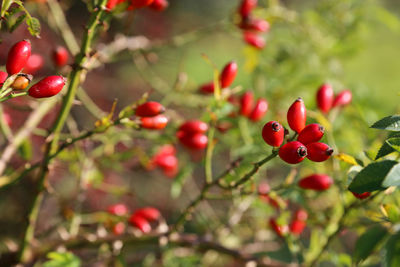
60	56
257	25
311	133
119	228
149	213
47	87
207	88
194	126
296	115
140	222
273	133
246	103
18	56
118	209
254	40
228	74
259	110
167	162
34	63
195	141
342	99
318	151
154	123
112	3
21	82
293	152
296	227
3	77
317	182
362	195
301	215
149	109
159	5
135	4
325	97
246	7
280	230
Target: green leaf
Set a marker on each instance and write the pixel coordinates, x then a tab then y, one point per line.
368	241
394	143
386	149
392	251
33	26
25	150
390	123
371	177
17	22
393	177
65	259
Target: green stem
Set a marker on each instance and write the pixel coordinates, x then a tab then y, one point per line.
209	153
13	96
75	79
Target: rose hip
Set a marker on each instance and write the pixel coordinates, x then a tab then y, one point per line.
317	182
273	133
18	56
47	87
254	40
158	122
342	99
34	63
311	133
259	110
60	56
149	213
159	5
293	152
296	115
141	223
325	97
318	152
246	103
149	109
228	74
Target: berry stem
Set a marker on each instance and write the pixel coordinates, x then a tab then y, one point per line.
76	77
13	96
209	154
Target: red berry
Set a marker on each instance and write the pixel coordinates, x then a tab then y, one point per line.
60	56
317	182
140	223
325	97
7	118
228	74
311	133
280	230
362	195
47	87
3	77
207	88
159	5
246	7
118	209
273	133
167	162
259	110
301	215
342	99
296	115
254	40
149	213
18	56
194	126
118	228
258	25
195	141
34	63
154	123
149	109
293	152
246	103
318	151
111	4
135	4
296	227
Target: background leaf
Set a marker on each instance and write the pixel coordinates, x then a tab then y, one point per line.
390	123
392	251
368	241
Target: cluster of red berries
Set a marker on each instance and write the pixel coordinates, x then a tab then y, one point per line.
326	99
307	144
227	77
247	107
17	59
140	218
151	115
296	226
158	5
191	134
251	26
165	159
